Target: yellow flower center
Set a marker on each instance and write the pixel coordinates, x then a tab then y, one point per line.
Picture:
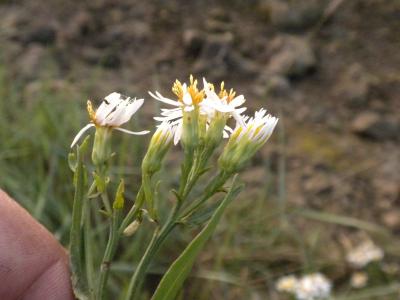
91	112
196	94
224	93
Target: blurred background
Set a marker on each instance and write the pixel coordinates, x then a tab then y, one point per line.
327	181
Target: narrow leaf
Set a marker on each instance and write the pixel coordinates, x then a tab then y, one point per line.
173	279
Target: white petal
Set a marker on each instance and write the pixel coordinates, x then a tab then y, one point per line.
187	99
113	97
132	132
189	108
129	111
227	128
241	110
161	98
239	119
178	133
237	101
167	111
80	133
107	106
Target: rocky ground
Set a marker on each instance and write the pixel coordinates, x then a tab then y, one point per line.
329	69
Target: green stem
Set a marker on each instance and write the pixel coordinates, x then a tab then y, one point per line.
116	230
191	168
108	255
88	240
186	168
79	281
213	186
157	240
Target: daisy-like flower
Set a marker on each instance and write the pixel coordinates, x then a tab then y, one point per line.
246	139
312	287
364	253
114	111
257	129
287	284
358	280
207	101
189	98
224	102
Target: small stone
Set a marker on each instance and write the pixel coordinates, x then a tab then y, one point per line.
91	55
45	35
110	60
217	45
82	24
292	15
392	219
273	85
30	61
193	42
354	85
213	57
318	184
236	62
293	56
372	125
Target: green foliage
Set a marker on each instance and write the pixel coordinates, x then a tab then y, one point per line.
173	279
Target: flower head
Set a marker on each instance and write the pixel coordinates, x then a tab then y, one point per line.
114	111
363	254
224	102
309	287
287	284
205	103
159	145
358	280
246	139
312	287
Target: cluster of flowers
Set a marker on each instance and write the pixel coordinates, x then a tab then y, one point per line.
198	117
309	287
364	253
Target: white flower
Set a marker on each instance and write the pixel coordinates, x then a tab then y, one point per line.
359	280
365	253
224	102
188	98
257	129
309	287
287	284
313	286
164	133
114	111
206	100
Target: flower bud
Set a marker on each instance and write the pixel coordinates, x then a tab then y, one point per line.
190	130
159	145
101	146
131	228
215	130
246	140
119	201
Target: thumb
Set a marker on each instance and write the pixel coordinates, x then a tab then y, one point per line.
33	265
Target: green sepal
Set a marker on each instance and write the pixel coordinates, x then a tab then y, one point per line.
72	161
101	182
105	213
119	201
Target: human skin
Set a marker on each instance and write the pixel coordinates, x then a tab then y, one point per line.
33	265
